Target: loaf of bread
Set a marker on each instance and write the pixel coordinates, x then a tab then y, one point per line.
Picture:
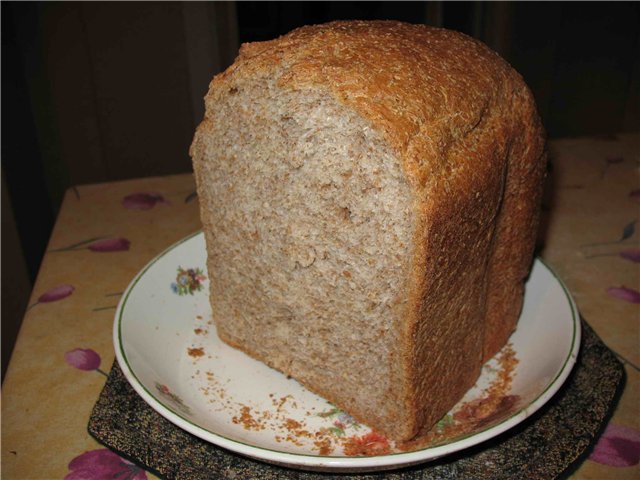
369	194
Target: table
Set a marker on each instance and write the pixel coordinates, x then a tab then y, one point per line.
105	233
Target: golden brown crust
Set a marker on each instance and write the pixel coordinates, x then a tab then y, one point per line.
423	87
517	224
464	126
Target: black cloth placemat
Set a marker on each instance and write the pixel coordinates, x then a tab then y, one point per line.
547	445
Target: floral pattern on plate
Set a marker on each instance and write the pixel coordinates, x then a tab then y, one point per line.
188	281
174	399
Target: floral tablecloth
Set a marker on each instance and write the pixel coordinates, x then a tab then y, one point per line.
106	233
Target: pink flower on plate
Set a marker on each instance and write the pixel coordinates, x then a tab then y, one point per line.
623	293
370	444
142	200
618	446
110	245
103	464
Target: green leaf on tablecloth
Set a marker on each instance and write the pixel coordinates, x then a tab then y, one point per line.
628	230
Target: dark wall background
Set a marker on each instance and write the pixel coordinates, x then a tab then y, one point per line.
95	92
580	58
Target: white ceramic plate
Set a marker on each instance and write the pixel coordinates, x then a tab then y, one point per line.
170	353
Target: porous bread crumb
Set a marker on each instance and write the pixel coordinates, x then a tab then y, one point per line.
196	352
302	252
247	420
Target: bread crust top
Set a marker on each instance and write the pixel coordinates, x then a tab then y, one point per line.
422	87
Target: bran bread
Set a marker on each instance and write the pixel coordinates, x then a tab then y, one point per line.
369	196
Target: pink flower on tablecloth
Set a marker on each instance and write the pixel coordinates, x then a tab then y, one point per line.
632	254
143	200
618	446
83	359
103	464
98	244
623	293
56	293
110	245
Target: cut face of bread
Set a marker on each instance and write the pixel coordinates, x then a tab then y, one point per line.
309	232
369	195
